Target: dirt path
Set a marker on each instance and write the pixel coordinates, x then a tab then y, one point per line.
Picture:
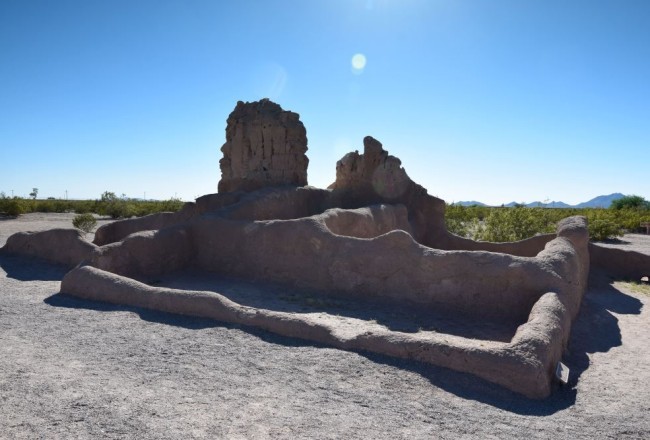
78	369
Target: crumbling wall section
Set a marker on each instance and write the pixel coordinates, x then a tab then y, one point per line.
265	146
376	177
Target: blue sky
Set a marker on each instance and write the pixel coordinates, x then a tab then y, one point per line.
497	101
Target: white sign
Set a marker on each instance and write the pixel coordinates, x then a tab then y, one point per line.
562	373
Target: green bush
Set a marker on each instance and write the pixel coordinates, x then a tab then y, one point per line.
14	207
84	222
510	224
513	224
603	229
108	205
630	202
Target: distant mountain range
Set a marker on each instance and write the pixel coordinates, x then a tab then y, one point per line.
596	202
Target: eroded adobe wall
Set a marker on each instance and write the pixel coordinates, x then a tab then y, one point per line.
116	231
620	263
369	222
147	253
119	229
523	248
525	365
377	177
265	149
367	253
279	203
306	252
265	146
61	246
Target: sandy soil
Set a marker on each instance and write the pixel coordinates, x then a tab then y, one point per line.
80	369
630	242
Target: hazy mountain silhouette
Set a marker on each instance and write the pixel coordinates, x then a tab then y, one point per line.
597	202
600	201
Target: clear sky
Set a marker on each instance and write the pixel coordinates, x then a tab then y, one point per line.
496	101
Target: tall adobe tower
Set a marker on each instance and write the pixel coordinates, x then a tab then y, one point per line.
265	146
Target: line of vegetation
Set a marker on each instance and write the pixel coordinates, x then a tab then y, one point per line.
475	222
518	223
109	205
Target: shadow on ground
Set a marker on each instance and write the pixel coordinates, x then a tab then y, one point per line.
23	268
595	330
188	322
282	298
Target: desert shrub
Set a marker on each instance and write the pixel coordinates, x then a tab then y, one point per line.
84	222
466	221
603	229
114	207
513	224
509	224
457	227
44	206
15	206
83	206
108	205
456	218
171	205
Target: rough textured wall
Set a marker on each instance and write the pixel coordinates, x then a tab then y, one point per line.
525	364
265	146
528	247
372	174
620	263
365	252
146	253
118	230
376	177
62	246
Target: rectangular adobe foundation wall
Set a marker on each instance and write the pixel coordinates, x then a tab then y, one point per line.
524	365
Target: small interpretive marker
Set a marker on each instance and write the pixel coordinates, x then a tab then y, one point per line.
562	373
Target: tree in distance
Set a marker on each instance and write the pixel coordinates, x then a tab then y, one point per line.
630	202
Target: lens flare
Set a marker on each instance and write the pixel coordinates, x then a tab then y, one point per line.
358	62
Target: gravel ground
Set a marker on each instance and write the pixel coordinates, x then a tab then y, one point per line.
630	242
81	369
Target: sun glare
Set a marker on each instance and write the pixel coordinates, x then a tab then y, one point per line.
358	62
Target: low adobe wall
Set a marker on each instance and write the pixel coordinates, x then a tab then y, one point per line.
425	215
147	253
365	252
525	365
118	230
62	246
370	256
620	263
524	248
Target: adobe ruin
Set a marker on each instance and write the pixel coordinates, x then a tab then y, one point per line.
374	235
